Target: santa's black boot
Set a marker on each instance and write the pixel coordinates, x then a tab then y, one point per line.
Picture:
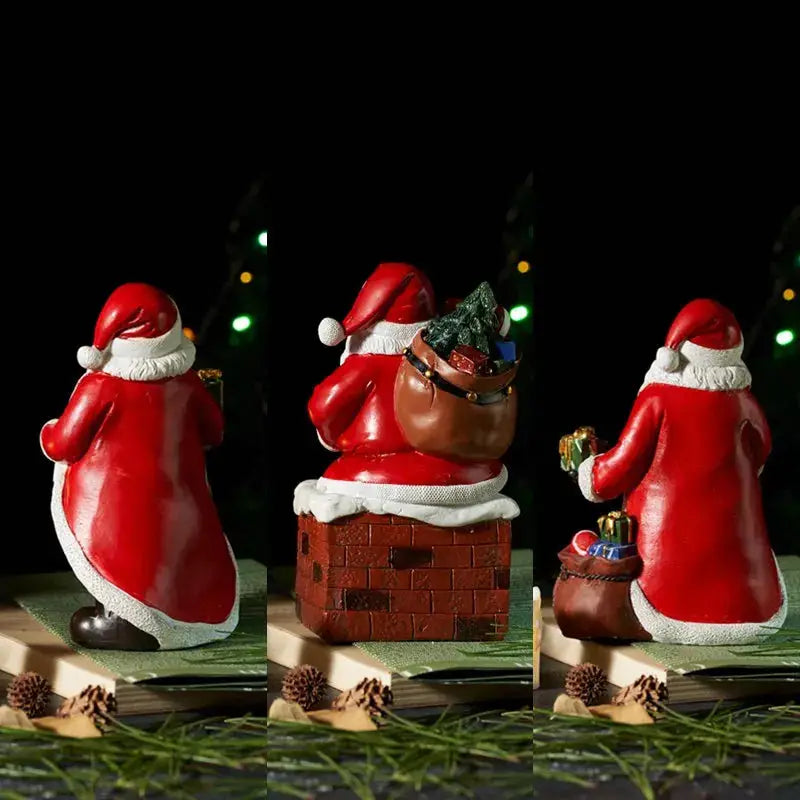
98	628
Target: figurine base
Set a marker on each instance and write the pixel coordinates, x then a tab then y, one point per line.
379	577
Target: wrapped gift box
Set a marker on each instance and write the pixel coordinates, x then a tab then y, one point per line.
575	448
617	527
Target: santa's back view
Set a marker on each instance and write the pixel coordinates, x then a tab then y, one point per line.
131	505
687	464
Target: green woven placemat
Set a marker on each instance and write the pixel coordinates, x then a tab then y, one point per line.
413	659
238	661
691	658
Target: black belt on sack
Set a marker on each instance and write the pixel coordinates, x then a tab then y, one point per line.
479	398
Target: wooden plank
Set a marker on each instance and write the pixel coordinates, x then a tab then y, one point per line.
290	643
623	664
26	645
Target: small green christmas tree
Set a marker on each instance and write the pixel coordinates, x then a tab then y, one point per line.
473	322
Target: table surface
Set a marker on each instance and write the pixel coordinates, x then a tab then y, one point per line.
552	682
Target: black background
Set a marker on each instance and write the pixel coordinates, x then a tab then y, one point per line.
623	239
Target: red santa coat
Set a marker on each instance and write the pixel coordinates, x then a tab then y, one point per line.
688	462
135	495
353	412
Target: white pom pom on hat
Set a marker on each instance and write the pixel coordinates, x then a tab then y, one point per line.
505	325
89	357
330	332
668	359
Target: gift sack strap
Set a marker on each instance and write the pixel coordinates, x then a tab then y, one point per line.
479	398
565	573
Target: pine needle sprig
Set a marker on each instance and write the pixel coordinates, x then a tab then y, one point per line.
180	760
407	756
463	753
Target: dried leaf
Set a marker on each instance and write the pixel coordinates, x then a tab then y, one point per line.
287	712
13	718
570	706
630	713
75	727
351	719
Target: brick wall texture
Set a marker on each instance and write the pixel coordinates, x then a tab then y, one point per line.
385	578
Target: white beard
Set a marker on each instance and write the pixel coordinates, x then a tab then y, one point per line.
155	368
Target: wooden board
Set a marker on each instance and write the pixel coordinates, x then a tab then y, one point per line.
26	645
623	664
289	643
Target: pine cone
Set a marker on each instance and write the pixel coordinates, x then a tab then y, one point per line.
369	694
93	702
29	692
304	685
646	690
586	682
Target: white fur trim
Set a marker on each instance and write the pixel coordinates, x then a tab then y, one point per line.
708	357
585	483
703	368
382	338
330	332
454	495
672	631
171	634
325	444
328	506
149	347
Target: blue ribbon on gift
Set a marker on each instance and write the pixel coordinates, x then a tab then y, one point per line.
611	550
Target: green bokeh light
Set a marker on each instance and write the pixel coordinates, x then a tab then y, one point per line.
241	323
784	337
519	313
263	238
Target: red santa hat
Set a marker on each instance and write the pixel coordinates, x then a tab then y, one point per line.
137	321
702	327
395	293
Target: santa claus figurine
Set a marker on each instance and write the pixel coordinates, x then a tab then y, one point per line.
131	505
688	465
381	486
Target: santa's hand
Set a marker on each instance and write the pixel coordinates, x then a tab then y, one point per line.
325	444
44	435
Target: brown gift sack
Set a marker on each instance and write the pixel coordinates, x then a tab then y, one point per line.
591	598
448	413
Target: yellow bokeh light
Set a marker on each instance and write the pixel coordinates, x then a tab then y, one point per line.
246	277
789	294
189	334
523	267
